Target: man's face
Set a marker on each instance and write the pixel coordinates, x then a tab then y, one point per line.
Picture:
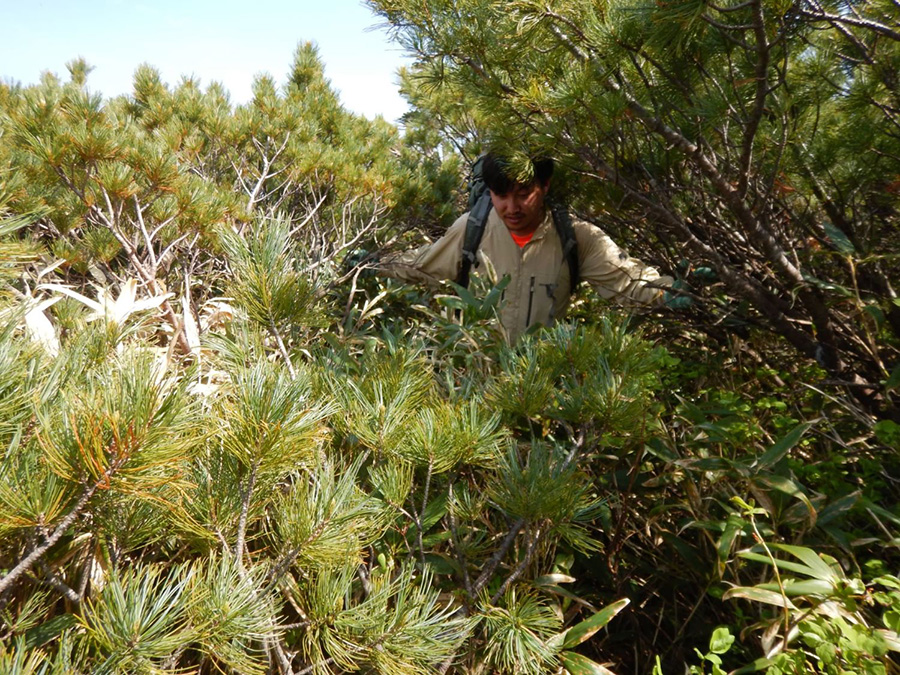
522	208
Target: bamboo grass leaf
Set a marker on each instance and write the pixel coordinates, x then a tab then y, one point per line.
774	454
576	664
822	566
580	632
759	595
788	565
788	487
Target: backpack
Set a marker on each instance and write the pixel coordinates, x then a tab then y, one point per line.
480	208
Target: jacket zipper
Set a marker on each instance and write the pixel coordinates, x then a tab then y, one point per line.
530	298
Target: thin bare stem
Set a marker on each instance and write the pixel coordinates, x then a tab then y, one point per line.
242	522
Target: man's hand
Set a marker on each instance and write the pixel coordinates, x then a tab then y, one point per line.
679	296
359	257
674	299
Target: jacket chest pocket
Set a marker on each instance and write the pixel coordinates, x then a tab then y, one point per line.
541	297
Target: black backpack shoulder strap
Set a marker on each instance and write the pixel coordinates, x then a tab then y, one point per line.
562	220
475	225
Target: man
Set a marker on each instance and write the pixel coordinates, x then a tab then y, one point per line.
521	241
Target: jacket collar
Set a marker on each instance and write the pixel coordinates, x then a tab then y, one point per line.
542	230
545	226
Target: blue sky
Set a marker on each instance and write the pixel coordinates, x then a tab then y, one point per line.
221	40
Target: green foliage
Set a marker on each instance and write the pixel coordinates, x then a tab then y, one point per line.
221	454
136	621
826	620
719	644
326	519
398	628
265	281
518	632
758	141
231	615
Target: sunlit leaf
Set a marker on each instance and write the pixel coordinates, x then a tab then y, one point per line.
584	630
577	664
774	454
758	595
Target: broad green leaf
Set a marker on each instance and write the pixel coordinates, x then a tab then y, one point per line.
442	564
876	313
758	595
706	464
891	620
577	664
788	565
788	487
553	579
759	664
686	551
774	454
49	630
812	559
888	432
657	448
495	294
721	640
466	296
793	587
828	286
840	240
584	630
733	528
880	511
435	510
451	301
838	508
559	590
894	380
888	581
891	639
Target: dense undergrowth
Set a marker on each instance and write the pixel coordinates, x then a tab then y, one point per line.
407	493
226	451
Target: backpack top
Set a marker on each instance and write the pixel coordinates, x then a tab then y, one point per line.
479	209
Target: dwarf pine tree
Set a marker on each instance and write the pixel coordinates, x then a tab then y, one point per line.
239	488
223	452
326	515
757	139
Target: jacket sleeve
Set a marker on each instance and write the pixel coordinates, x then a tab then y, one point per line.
434	262
612	273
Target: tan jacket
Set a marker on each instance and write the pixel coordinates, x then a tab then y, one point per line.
538	291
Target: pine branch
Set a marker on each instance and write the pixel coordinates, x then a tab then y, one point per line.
87	567
52	579
492	564
530	544
742	284
454	534
424	506
759	102
28	562
242	522
130	250
315	666
264	174
273	644
281	347
821	15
